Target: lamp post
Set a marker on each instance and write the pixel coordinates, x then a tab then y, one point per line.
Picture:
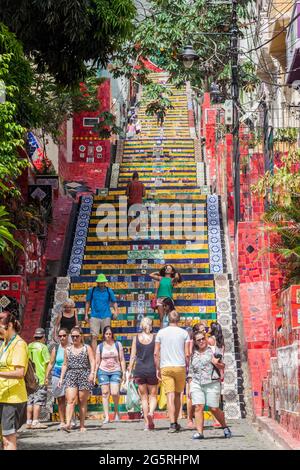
189	56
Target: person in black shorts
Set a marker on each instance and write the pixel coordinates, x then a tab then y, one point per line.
142	353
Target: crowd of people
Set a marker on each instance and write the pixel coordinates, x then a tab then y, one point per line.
175	358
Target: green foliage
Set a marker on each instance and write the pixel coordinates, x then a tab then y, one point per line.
7	240
11	135
284	184
107	126
63	36
167	28
286	134
283	217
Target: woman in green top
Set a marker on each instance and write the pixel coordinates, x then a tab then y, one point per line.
168	277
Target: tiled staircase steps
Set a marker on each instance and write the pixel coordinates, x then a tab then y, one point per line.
165	160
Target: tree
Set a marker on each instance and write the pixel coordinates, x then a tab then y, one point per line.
11	135
7	240
65	36
283	215
168	26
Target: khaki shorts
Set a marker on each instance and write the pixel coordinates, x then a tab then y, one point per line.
98	324
173	379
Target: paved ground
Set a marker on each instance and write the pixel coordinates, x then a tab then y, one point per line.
131	436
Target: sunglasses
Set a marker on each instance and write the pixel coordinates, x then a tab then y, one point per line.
200	339
75	336
62	336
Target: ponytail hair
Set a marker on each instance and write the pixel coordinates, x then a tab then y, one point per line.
8	317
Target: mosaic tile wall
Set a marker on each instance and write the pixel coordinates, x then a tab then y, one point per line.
214	234
80	236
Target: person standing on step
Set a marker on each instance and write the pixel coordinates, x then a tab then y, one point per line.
111	371
78	372
168	277
142	354
13	367
135	192
67	319
205	388
98	299
39	354
55	365
171	355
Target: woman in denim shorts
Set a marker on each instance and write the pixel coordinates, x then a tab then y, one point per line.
110	370
205	387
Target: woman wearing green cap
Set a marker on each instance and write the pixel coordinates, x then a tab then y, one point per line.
98	299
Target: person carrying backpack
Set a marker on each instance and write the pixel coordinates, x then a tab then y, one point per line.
13	368
98	299
39	354
110	370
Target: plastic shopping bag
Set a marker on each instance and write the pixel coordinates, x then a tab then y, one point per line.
162	402
133	401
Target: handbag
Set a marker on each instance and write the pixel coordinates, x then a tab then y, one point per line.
31	380
154	303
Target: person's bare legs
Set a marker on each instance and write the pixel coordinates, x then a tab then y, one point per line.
115	393
160	310
177	403
181	406
61	409
10	442
83	398
171	406
71	398
152	392
105	400
199	418
94	343
219	415
143	390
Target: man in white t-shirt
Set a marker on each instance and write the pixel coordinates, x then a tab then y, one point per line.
171	357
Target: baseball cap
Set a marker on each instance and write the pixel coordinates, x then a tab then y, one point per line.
39	333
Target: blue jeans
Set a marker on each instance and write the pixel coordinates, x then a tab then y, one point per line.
106	378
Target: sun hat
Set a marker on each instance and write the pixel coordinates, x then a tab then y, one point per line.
101	278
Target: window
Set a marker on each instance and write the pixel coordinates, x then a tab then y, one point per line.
90	122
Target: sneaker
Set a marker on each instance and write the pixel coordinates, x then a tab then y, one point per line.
117	419
178	427
106	421
172	428
39	426
197	435
227	433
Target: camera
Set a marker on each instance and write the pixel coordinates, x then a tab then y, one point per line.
218	356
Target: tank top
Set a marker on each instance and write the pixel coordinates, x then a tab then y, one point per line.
59	360
110	360
165	288
78	361
145	366
68	323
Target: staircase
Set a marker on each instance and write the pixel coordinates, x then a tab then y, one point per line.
165	160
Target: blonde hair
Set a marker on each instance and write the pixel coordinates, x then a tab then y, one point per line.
174	316
69	302
146	324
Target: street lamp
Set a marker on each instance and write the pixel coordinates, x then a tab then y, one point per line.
188	56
